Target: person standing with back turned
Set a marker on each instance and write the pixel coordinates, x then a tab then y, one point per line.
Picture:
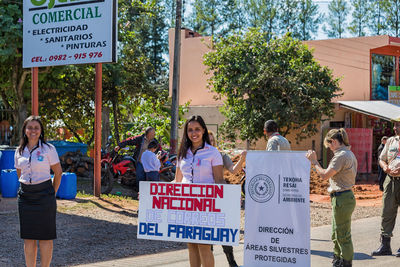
341	172
198	162
389	160
276	141
37	194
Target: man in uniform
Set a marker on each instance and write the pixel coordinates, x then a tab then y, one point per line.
381	174
275	140
389	160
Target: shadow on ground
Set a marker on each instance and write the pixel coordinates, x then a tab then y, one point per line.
82	240
329	254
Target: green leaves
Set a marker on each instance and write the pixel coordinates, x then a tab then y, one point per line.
10	31
276	79
153	112
336	20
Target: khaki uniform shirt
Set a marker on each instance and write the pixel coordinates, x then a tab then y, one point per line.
345	164
226	161
390	151
277	142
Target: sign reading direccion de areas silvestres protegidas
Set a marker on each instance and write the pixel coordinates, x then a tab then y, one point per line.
63	32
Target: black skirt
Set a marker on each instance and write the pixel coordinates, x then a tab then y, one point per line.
37	211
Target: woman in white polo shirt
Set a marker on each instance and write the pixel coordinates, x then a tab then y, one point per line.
198	162
37	194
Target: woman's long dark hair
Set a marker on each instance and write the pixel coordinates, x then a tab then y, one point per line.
185	142
23	142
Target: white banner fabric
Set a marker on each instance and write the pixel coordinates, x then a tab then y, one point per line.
277	220
71	32
193	213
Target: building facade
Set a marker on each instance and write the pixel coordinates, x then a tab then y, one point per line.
366	66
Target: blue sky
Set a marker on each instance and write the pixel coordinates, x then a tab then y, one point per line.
323	7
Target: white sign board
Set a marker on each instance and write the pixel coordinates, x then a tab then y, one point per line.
63	32
193	213
277	222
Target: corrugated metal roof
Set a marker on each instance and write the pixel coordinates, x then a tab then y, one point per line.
379	109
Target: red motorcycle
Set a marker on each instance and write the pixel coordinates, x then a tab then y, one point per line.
122	168
117	167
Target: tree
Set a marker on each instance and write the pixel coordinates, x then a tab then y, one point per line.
71	104
309	20
73	101
149	25
206	16
277	79
288	16
361	11
14	86
376	22
232	17
170	12
262	14
338	11
392	15
155	112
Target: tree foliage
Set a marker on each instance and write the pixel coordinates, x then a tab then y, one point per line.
67	93
155	112
232	17
376	22
392	14
67	100
14	87
336	19
361	16
309	20
261	80
288	16
262	14
206	17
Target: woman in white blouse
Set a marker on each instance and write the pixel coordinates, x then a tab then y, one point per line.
198	162
37	194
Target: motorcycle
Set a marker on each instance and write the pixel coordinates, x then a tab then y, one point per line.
168	166
122	168
116	167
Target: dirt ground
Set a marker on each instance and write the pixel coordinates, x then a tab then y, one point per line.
366	189
91	230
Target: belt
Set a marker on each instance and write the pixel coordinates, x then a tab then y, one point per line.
394	177
335	194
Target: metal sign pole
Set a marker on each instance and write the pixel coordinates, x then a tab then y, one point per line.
35	91
175	80
97	129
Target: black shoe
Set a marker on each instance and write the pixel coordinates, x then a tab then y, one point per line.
337	261
346	263
398	253
384	248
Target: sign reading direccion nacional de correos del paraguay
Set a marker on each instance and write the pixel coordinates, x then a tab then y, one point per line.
63	32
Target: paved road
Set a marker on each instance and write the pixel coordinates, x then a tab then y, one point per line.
365	239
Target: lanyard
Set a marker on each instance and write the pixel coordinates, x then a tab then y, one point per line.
30	159
191	165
